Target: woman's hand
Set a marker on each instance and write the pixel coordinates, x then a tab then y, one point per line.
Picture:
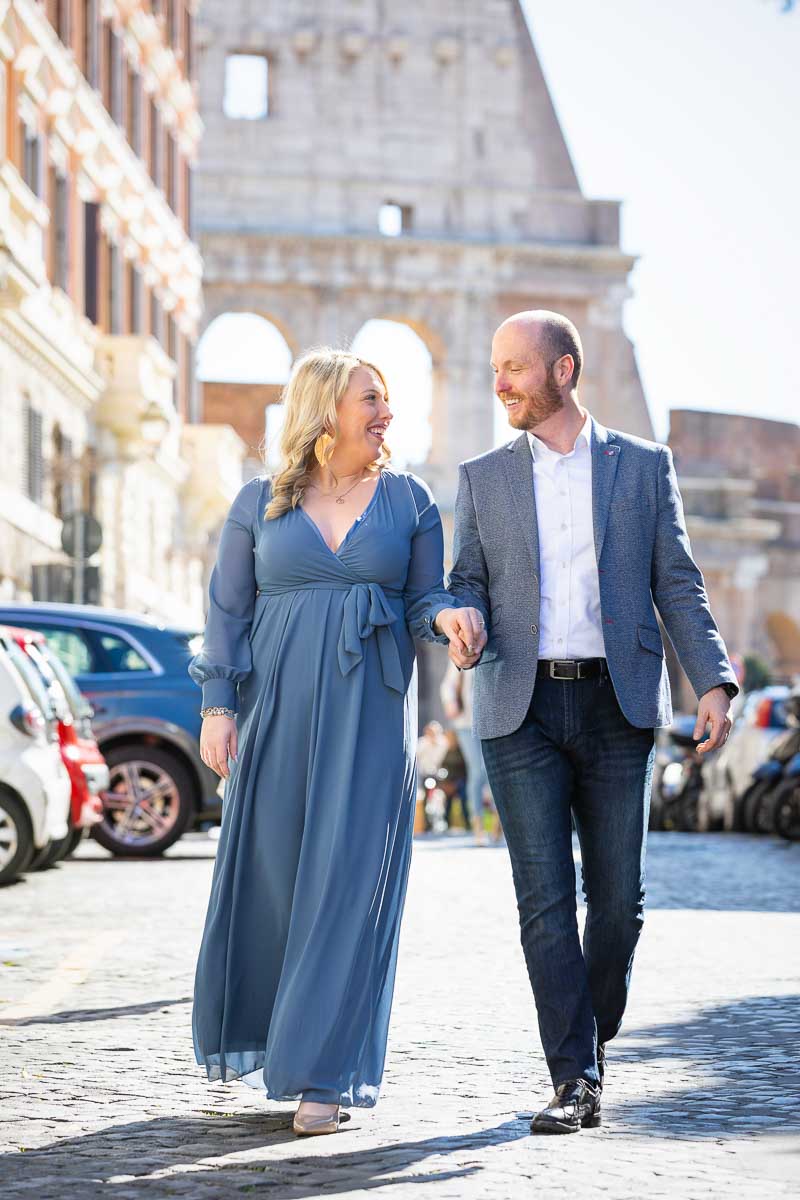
464	627
218	739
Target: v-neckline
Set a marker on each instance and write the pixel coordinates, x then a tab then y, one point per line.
356	522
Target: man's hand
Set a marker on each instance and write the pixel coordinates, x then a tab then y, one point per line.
713	710
464	627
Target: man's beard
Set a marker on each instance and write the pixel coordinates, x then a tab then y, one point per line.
535	407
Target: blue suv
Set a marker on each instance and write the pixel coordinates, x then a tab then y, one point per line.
146	719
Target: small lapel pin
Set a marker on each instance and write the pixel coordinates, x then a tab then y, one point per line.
612	451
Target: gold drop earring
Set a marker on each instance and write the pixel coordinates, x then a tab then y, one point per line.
323	448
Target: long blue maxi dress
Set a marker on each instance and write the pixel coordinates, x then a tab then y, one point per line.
314	649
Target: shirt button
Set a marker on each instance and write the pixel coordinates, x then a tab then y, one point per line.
564	526
560	641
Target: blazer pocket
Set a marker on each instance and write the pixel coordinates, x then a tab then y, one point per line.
650	638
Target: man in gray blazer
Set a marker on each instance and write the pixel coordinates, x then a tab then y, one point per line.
568	540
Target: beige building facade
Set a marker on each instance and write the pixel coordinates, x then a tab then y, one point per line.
100	304
406	163
740	481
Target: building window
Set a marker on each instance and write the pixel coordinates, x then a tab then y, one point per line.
59	230
58	14
34	461
394	219
134	280
64	474
91	262
32	160
134	111
247	85
156	318
156	148
91	42
188	46
114	290
116	70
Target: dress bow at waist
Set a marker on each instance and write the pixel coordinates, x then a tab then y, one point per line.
366	612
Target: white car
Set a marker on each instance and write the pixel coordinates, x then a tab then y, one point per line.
729	771
35	786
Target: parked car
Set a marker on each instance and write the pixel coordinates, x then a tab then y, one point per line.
146	718
34	784
728	773
87	769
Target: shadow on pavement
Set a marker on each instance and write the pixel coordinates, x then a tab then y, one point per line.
128	1156
95	1014
737	1067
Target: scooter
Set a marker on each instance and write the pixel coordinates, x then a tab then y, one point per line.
681	783
775	780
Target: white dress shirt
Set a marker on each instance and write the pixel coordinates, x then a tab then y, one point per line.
570	625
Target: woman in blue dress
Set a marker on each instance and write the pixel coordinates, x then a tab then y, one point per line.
324	576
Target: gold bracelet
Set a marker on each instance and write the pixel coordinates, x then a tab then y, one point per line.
217	710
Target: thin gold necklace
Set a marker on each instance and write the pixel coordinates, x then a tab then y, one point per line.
339	499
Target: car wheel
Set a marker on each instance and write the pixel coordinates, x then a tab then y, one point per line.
751	801
73	841
50	854
787	812
690	816
149	802
764	811
16	837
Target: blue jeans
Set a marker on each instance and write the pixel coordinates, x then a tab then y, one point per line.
575	753
470	745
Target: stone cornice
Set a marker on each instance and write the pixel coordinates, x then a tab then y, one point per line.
489	265
83	387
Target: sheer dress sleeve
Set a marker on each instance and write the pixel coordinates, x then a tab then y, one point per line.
224	659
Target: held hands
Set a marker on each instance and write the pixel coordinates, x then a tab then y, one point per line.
464	627
713	710
218	739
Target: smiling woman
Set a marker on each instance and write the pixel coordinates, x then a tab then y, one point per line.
326	572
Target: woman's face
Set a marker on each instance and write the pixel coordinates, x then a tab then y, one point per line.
363	416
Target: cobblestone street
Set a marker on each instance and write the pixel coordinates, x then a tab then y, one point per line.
101	1093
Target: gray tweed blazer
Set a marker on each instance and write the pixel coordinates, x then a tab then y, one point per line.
644	561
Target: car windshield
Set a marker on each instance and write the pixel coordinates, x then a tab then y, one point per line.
78	703
32	678
53	685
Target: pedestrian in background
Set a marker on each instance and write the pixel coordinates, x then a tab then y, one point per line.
324	574
456	697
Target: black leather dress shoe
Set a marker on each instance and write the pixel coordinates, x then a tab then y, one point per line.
601	1062
575	1105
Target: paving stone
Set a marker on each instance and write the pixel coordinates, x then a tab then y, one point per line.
100	1094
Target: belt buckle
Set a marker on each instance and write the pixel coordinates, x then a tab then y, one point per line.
563	662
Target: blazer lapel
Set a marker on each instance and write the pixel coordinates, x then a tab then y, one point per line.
519	472
605	458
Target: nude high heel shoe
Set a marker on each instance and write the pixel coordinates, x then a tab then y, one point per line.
310	1124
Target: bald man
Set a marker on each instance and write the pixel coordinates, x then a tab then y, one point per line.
569	540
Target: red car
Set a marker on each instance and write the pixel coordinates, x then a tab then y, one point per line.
88	770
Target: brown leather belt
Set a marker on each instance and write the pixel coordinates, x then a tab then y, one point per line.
572	668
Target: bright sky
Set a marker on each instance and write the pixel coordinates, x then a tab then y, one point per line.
689	113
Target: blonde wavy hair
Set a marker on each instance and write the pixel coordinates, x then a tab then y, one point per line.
316	385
